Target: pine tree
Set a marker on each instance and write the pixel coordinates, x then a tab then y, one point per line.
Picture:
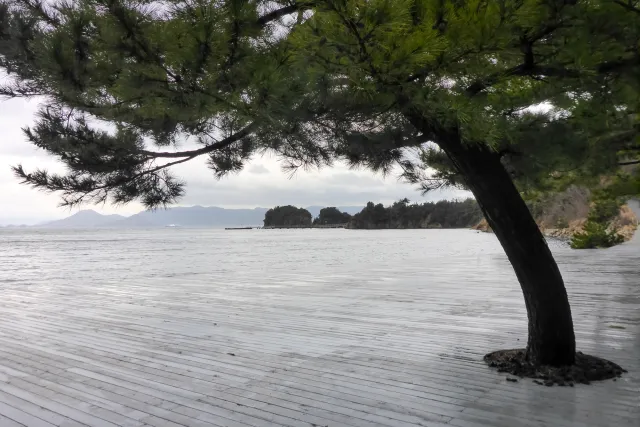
488	92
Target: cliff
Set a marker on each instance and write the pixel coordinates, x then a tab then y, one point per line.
563	214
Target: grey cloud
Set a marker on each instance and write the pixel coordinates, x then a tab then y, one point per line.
258	170
216	193
14	115
353	179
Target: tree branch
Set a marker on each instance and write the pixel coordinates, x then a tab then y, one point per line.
633	162
521	70
627	6
204	150
143	173
524	70
621	64
486	82
37	8
425	71
284	11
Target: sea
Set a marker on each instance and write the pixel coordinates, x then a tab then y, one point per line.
32	256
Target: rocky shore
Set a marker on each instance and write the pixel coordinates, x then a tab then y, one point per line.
626	223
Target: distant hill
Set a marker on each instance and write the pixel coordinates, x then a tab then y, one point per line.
195	216
84	219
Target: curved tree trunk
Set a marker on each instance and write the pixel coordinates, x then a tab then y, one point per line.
551	336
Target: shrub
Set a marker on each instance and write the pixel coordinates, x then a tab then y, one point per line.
595	235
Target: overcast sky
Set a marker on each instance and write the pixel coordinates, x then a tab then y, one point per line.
261	183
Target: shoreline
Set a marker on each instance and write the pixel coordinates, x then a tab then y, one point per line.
629	211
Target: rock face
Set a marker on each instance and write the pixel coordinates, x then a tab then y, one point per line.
567	210
483	225
564	214
626	223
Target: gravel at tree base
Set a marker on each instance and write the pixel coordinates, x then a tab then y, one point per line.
586	369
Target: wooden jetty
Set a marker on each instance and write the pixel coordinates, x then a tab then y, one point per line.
239	228
286	227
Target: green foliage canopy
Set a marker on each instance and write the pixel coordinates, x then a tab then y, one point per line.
372	82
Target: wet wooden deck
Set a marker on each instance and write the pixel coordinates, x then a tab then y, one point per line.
332	351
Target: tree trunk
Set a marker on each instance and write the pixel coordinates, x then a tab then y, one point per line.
551	337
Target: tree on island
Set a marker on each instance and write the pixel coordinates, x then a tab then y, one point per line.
402	214
287	216
378	84
331	216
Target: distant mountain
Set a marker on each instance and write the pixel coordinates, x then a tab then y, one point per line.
84	219
195	216
351	210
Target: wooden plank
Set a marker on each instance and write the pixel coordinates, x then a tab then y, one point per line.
29	413
8	422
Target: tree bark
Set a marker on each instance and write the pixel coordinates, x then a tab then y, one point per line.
551	336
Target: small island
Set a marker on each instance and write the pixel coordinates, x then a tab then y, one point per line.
287	217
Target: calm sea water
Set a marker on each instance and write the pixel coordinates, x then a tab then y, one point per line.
46	256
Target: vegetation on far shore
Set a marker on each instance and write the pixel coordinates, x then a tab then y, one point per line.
401	214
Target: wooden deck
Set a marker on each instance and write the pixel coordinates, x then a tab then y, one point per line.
293	350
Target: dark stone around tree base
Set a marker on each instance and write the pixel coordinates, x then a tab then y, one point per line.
586	369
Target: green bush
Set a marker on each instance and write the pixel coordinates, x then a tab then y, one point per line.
604	209
595	235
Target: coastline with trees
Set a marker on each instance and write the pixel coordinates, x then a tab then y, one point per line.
567	216
400	215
